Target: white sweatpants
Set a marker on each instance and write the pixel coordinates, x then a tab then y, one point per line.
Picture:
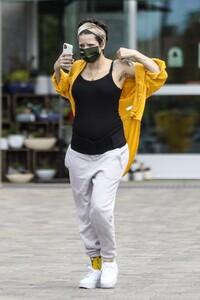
94	180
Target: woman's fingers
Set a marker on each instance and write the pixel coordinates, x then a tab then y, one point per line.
66	60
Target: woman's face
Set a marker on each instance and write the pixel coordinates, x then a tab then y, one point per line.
88	41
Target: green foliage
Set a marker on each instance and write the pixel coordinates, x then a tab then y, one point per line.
5	132
15	128
46	166
18	76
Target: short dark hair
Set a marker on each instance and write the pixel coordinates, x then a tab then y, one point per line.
97	22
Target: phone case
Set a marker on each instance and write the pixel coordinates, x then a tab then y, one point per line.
67	48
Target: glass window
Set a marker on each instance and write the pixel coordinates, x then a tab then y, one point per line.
169	29
111	12
58	23
171	124
49	35
103	5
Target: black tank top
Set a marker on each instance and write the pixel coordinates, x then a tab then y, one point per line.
96	104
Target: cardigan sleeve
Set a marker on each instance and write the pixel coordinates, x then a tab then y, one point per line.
143	86
154	81
63	86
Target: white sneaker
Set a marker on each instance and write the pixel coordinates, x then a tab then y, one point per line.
92	279
109	274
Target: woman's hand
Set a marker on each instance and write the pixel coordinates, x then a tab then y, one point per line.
65	61
124	53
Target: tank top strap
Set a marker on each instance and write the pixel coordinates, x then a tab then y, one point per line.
111	67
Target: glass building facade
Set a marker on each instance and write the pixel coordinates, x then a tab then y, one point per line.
163	28
167	29
170	31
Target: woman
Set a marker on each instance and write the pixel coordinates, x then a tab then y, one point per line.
107	99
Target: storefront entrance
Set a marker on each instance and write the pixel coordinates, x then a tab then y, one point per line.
170	136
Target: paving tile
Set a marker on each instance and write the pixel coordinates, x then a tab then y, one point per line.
157	231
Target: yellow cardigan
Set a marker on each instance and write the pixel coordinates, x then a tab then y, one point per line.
132	101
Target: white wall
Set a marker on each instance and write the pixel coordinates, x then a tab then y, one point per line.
172	166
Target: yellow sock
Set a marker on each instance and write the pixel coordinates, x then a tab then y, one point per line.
96	262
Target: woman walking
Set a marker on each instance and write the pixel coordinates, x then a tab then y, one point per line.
107	99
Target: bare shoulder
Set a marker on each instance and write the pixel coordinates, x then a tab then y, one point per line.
118	64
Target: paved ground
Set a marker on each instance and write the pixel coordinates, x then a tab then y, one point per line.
158	235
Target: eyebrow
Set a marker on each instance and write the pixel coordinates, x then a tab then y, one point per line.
89	44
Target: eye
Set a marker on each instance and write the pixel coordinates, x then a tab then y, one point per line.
83	46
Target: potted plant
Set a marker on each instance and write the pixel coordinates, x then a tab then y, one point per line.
20	79
40	141
45	172
15	137
138	172
24	114
147	172
4	140
18	174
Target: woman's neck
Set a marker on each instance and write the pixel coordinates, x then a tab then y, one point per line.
97	69
97	64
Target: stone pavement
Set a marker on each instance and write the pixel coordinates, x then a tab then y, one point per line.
158	237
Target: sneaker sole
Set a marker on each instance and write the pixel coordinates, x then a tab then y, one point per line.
108	286
90	286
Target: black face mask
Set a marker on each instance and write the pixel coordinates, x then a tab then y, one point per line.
90	55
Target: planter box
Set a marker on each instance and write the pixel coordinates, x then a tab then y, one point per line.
21	87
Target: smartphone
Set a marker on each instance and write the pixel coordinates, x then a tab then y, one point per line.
67	48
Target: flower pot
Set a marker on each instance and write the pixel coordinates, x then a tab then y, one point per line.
54	116
3	143
148	174
43	143
138	176
15	141
42	85
21	87
25	117
19	178
45	174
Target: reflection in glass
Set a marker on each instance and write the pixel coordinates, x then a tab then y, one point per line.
171	125
168	24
